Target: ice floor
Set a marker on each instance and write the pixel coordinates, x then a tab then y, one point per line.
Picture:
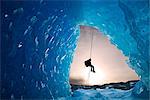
101	94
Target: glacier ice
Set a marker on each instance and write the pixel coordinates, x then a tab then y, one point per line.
39	39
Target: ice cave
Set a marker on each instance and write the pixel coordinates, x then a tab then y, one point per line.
39	38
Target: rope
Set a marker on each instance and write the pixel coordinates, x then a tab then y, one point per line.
91	45
87	81
90	57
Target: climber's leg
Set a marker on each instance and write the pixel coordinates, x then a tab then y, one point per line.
92	68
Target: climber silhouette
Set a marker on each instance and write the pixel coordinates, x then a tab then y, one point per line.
88	64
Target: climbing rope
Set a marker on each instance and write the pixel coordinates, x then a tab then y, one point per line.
87	82
90	56
91	44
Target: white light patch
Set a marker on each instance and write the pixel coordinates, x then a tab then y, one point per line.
20	45
6	15
93	78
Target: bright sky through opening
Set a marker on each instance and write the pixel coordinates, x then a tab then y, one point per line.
110	63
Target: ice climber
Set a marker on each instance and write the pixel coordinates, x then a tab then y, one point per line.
88	64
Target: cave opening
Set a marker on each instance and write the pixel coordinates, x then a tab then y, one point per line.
109	62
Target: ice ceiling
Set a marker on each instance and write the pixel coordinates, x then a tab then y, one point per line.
39	39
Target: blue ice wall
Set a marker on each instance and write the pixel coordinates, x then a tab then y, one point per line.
39	39
126	23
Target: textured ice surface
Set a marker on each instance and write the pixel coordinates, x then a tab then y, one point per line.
102	94
39	39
